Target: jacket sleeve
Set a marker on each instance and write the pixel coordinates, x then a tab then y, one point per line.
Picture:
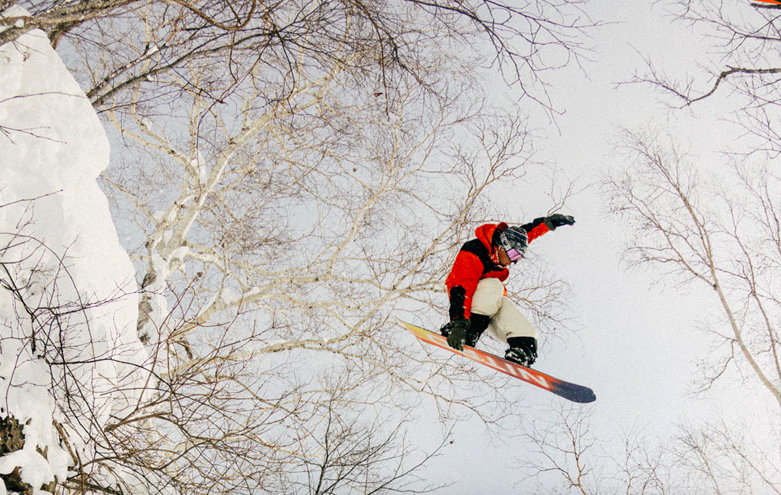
462	282
535	228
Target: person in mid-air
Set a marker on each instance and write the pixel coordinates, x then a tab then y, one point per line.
478	298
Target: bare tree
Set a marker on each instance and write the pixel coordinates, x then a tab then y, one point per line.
121	47
296	235
723	237
720	233
216	423
347	448
741	68
294	176
701	225
575	456
57	17
743	36
562	452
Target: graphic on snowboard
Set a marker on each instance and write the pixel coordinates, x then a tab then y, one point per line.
567	390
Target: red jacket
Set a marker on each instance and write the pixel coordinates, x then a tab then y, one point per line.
478	259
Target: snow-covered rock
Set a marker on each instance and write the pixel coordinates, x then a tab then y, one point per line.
60	248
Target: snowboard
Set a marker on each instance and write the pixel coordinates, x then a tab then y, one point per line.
567	390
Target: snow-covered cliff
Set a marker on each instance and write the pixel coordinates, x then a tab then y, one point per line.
68	296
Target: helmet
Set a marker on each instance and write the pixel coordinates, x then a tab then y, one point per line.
514	243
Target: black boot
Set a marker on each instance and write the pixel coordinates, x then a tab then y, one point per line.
479	324
523	350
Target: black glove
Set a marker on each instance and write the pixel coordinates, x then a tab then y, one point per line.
557	220
456	331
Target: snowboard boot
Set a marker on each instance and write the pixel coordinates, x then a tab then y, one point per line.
479	324
523	350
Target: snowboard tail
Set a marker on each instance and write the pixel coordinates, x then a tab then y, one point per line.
567	390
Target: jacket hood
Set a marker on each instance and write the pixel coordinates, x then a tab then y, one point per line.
486	233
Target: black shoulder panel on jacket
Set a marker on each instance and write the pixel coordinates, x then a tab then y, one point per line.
478	248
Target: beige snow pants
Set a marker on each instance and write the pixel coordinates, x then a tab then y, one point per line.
506	319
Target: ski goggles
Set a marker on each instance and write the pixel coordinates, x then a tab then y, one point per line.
513	254
514	244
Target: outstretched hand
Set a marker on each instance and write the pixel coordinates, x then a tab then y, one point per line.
557	220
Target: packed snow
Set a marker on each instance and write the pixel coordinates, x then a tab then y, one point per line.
58	248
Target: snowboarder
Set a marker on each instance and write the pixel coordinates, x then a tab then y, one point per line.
478	297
